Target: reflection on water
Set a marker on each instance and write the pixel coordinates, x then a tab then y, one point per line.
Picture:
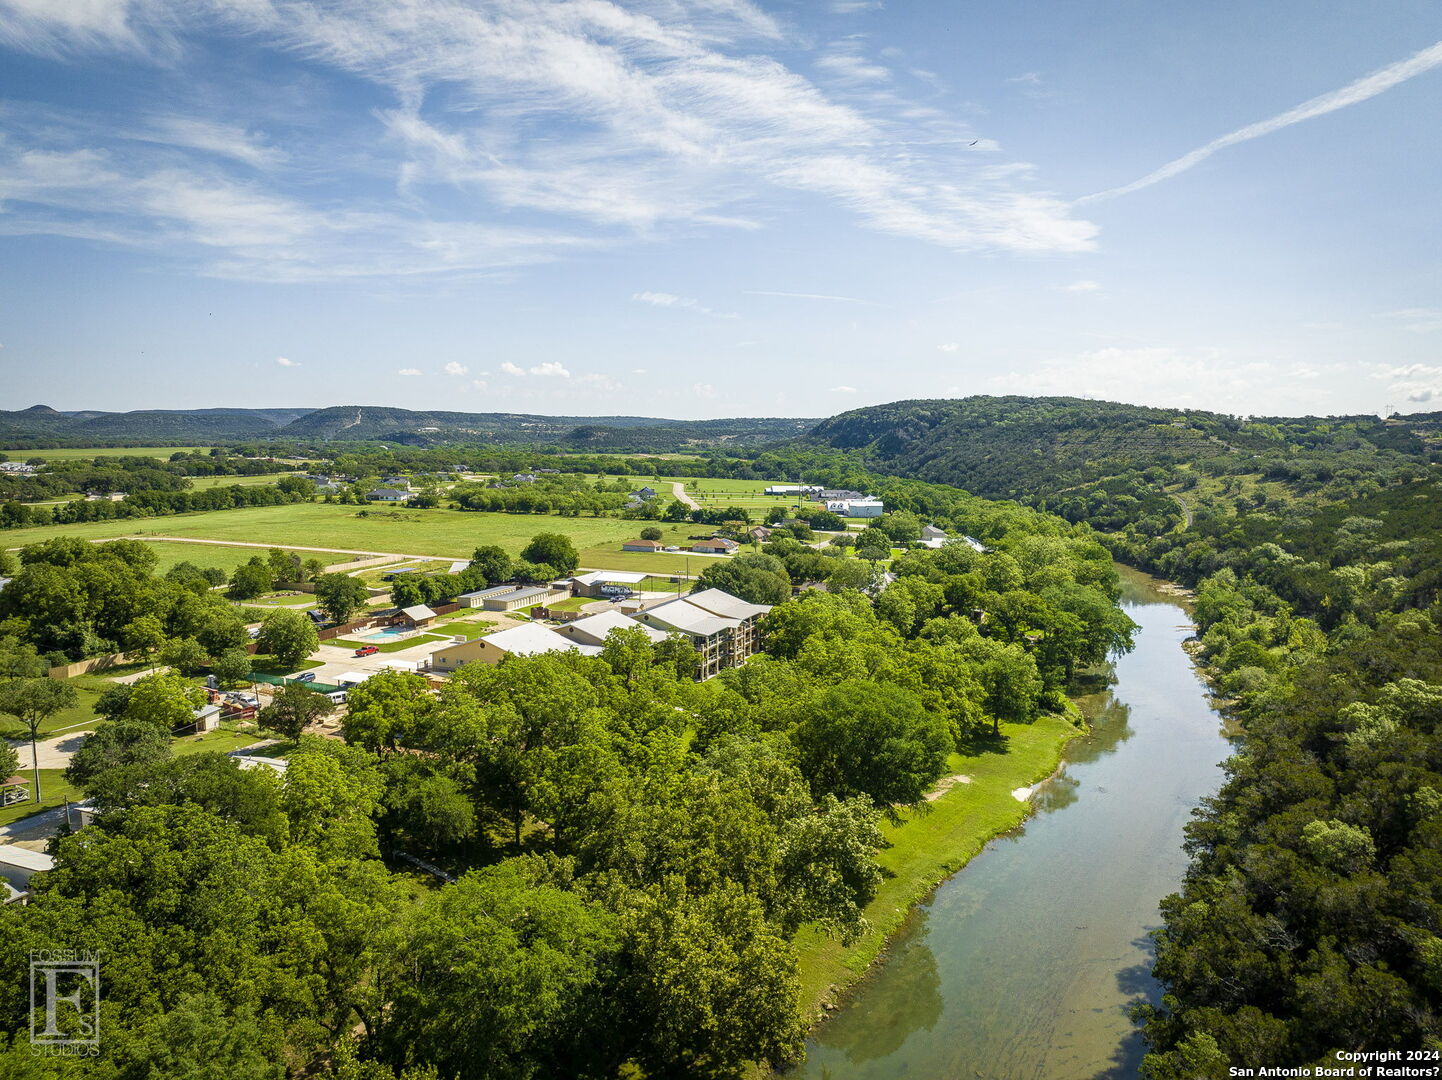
1023	965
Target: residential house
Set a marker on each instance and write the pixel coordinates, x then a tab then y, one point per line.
400	483
759	533
716	545
525	639
388	495
643	545
645	494
931	532
523	478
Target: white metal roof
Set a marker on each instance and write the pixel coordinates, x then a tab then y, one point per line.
25	859
529	639
418	611
594	628
719	602
623	577
352	678
688	618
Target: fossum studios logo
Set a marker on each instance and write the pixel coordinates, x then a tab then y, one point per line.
65	1002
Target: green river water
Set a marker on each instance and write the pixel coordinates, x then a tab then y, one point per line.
1022	965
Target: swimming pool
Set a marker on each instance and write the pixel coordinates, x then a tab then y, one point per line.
388	633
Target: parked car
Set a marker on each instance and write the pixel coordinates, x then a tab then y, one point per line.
367	650
305	676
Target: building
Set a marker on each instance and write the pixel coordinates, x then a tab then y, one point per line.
388	495
792	489
415	616
18	865
526	639
592	629
716	545
975	544
207	718
931	532
399	483
523	478
759	533
838	495
857	508
516	596
645	494
643	545
720	627
606	584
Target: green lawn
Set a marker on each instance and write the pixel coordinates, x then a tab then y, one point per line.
262	664
611	557
222	557
72	453
389	646
571	603
88	689
451	534
204	483
930	845
222	740
52	786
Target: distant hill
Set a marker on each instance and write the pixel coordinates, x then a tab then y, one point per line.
41	425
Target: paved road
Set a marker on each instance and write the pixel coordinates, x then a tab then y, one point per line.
679	490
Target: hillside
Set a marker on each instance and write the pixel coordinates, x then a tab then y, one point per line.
41	426
1114	464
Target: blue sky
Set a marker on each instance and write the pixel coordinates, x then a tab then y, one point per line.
700	208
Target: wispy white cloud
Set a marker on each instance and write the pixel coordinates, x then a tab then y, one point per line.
1418	320
950	346
810	296
843	390
409	371
677	116
1354	92
853	7
703	390
681	303
456	369
548	370
287	362
1419	383
1084	286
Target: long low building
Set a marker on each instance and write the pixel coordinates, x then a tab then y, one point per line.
525	639
603	583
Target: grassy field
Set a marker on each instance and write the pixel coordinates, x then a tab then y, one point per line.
446	533
611	557
222	558
203	483
930	845
88	689
52	786
72	453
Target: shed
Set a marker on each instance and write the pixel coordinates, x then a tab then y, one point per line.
415	615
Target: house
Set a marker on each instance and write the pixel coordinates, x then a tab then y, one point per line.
399	483
716	545
604	584
19	864
643	545
759	533
523	478
645	494
415	616
592	629
526	639
931	532
388	495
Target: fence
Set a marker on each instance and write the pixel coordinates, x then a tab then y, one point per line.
85	667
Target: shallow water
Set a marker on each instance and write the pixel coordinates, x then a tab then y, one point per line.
1023	964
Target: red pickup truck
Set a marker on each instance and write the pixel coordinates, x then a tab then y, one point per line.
367	650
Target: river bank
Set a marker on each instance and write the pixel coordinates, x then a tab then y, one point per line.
932	843
1025	963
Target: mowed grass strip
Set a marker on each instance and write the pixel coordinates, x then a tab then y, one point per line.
219	556
931	844
451	534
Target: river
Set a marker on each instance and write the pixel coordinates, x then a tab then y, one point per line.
1022	965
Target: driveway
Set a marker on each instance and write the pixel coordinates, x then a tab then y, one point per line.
679	490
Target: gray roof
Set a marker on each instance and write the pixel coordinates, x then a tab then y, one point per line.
418	611
688	618
722	603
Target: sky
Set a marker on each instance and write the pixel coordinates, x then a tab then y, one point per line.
710	208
